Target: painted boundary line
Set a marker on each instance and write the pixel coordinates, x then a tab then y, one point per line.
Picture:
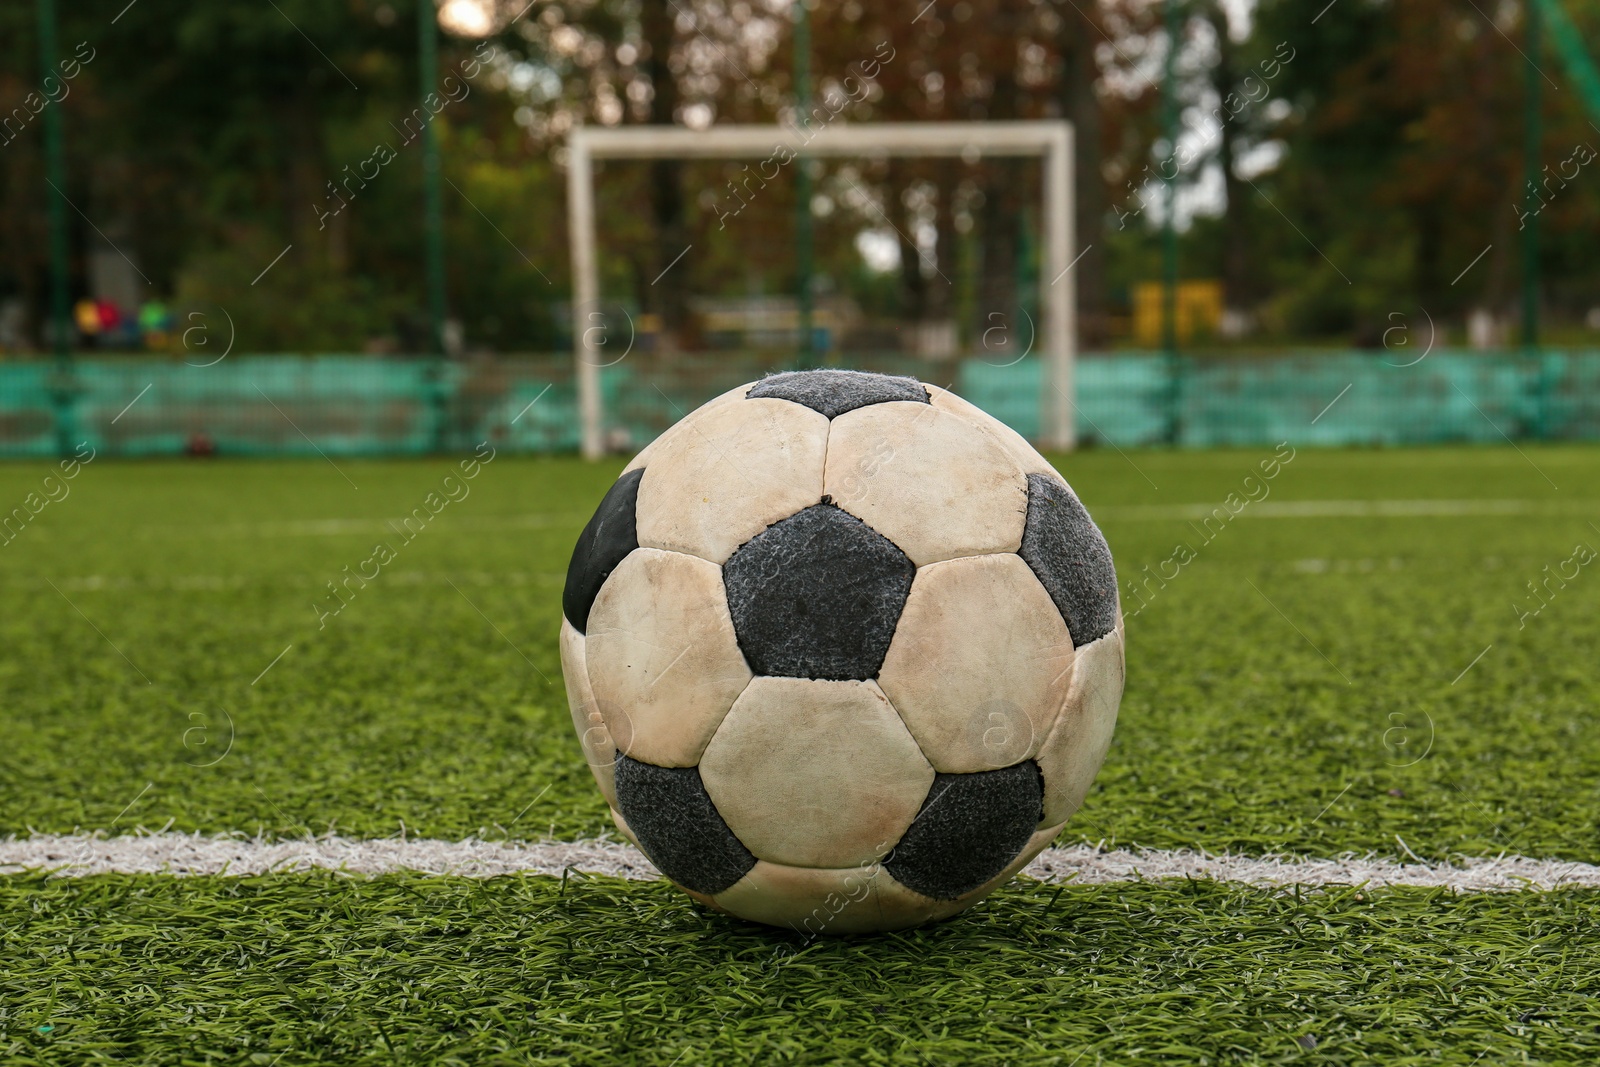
1267	509
1350	509
196	854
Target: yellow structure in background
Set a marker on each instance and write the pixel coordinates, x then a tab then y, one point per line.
1198	308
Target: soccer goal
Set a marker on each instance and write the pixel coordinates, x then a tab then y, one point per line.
902	201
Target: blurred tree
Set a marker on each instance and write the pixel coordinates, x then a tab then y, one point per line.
667	293
1403	142
1079	34
1226	85
209	140
1382	159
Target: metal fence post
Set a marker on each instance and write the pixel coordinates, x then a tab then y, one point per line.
437	382
62	390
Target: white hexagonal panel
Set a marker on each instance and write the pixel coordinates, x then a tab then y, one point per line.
1029	461
979	663
863	899
815	774
648	452
1071	755
598	750
809	900
662	657
935	483
727	472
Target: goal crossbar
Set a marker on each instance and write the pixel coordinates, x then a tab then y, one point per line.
1050	140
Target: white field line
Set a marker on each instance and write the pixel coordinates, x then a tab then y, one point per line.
221	582
195	854
1349	509
1266	509
340	527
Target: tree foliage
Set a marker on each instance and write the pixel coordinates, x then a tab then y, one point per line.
1361	178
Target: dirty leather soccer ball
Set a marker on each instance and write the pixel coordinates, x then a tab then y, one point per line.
843	651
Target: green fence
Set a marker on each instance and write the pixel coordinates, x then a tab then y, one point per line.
359	405
1323	398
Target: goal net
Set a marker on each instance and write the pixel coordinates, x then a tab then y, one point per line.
704	258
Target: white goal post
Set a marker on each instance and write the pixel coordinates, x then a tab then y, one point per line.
1049	140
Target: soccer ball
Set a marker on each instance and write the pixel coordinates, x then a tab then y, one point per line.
843	652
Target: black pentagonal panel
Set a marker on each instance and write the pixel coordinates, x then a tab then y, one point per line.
834	392
670	812
969	828
610	535
1068	553
817	596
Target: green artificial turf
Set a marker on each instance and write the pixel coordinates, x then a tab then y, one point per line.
1282	691
304	969
1258	717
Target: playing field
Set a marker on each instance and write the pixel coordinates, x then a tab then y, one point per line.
1353	662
